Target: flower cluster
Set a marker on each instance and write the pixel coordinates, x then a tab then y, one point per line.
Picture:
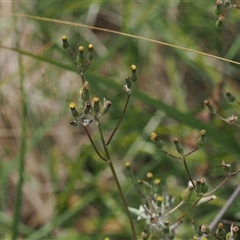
154	211
221	9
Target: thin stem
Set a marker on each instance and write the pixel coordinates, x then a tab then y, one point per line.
23	145
169	154
194	150
180	157
118	33
86	67
234	173
117	182
174	209
94	146
119	121
123	199
74	60
186	213
188	173
216	188
72	57
82	77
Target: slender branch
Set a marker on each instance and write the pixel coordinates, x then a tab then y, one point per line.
119	121
183	157
186	213
94	146
169	154
123	199
234	173
82	77
86	67
188	173
194	150
116	32
72	57
179	157
174	209
216	188
117	182
75	62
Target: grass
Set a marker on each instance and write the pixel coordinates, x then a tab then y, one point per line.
181	58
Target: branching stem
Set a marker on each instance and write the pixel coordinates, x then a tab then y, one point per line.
174	209
186	213
119	121
94	146
179	157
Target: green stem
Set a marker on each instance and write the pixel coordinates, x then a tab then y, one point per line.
187	170
177	157
72	57
119	121
94	146
117	182
170	155
186	213
21	166
225	179
194	150
174	209
86	67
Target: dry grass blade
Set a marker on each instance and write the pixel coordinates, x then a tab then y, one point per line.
116	32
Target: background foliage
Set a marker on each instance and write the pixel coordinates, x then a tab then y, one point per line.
68	193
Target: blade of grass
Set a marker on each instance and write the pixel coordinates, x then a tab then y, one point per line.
116	32
23	148
7	221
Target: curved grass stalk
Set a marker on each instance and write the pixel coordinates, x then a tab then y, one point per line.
118	33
